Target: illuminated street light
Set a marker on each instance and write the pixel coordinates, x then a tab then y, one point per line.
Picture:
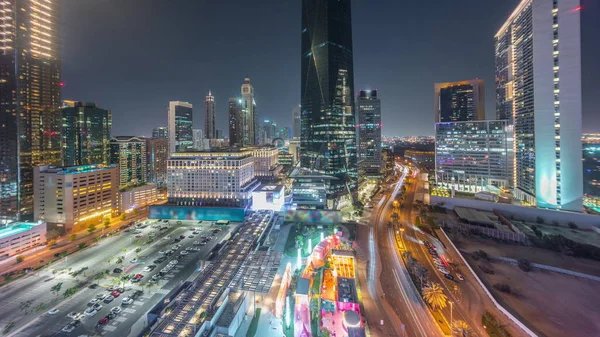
299	262
322	236
309	245
287	312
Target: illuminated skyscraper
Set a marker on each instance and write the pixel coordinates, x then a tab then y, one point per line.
85	134
160	132
538	90
249	114
129	155
210	130
180	122
235	120
368	108
328	132
29	99
459	101
296	122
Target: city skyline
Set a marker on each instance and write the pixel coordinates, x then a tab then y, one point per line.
274	68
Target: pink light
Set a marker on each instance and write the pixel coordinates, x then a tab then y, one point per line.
62	84
576	9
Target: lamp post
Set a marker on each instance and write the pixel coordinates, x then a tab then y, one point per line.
451	303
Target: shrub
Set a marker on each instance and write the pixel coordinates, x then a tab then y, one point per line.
20	258
572	225
539	220
525	265
493	327
503	287
481	254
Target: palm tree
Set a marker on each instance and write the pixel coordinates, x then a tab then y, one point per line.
434	295
460	328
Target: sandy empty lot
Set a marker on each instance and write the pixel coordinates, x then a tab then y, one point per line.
536	255
556	305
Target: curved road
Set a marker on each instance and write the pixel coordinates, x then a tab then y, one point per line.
398	290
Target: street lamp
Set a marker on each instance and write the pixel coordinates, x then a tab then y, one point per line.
402	238
451	303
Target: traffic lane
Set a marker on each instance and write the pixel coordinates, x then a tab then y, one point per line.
427	260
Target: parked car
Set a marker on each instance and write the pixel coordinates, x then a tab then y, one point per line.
103	321
137	294
68	328
184	252
108	299
53	311
93	302
90	312
182	237
97	306
149	267
173	262
116	310
126	301
117	270
115	293
138	276
449	276
459	276
73	314
134	260
93	286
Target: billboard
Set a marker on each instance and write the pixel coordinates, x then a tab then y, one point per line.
196	213
314	216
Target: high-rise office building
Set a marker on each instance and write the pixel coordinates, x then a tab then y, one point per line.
180	126
471	156
157	154
328	139
269	131
219	134
368	108
285	133
538	90
249	120
209	117
129	155
85	134
296	122
235	121
72	198
30	120
160	132
459	101
200	141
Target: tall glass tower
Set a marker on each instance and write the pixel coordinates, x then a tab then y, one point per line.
29	99
180	122
210	131
328	130
538	90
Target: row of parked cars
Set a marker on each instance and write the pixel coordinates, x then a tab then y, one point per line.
441	266
95	305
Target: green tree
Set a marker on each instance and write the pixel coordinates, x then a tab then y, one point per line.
460	328
20	258
434	295
325	332
82	245
106	222
56	288
91	228
123	217
72	237
136	211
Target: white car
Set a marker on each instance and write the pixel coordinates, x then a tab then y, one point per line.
161	251
134	260
93	301
53	311
168	237
173	262
73	314
184	252
126	301
90	312
196	243
116	310
101	296
443	270
460	277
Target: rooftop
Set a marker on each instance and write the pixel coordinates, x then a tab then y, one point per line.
75	169
15	228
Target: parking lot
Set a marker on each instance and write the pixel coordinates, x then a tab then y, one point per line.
178	250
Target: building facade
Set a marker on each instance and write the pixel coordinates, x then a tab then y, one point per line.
137	197
538	90
160	132
211	178
129	155
18	237
472	156
157	154
266	163
459	101
180	126
328	132
30	121
423	158
85	134
235	121
368	108
249	115
209	116
296	122
71	198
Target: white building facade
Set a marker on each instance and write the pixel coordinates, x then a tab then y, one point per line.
18	237
211	178
538	90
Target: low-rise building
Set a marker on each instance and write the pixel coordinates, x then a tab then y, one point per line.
136	197
211	178
17	237
423	158
71	198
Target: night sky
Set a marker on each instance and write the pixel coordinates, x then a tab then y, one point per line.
134	56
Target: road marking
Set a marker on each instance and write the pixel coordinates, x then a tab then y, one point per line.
110	328
121	319
138	303
129	310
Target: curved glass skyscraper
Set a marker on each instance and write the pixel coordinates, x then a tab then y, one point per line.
328	137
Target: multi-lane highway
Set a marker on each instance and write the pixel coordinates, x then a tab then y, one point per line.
398	289
36	290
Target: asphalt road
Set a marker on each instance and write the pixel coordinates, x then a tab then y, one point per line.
97	259
396	284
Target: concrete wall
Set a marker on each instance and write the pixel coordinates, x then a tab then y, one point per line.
584	221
